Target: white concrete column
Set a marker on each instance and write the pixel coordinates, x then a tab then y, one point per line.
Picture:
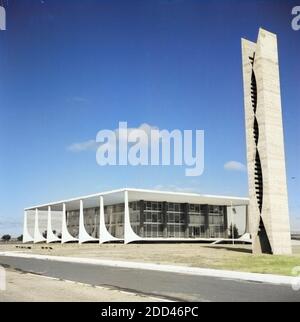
51	237
129	234
104	234
83	235
38	237
27	238
65	235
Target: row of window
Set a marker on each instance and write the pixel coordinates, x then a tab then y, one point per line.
114	215
176	207
174	217
153	206
157	230
179	231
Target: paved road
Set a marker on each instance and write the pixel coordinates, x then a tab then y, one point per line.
170	285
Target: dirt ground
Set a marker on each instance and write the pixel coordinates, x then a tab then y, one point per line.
23	287
233	257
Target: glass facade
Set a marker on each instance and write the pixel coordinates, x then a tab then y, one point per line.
216	221
153	219
92	221
73	222
198	221
114	219
175	224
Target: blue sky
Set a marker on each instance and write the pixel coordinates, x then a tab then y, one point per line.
71	68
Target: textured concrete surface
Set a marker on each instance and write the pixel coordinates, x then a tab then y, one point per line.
270	145
24	287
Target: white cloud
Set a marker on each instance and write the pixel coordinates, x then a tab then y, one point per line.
235	166
92	145
143	127
89	145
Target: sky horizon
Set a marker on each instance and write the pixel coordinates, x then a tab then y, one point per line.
71	68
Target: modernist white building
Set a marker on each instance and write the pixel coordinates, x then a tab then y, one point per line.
133	215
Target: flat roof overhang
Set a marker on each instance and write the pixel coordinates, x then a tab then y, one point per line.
117	196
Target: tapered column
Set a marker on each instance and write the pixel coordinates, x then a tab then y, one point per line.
51	237
104	235
38	237
27	238
83	235
129	234
65	235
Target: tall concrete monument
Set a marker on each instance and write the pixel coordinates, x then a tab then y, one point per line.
268	207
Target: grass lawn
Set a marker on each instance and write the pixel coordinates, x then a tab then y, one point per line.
268	264
229	257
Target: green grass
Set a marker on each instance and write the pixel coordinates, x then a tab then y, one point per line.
266	264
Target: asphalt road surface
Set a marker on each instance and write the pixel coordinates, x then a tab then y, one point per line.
172	286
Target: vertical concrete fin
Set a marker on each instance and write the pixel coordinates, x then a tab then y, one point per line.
129	234
83	235
38	237
27	238
104	235
65	235
51	237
